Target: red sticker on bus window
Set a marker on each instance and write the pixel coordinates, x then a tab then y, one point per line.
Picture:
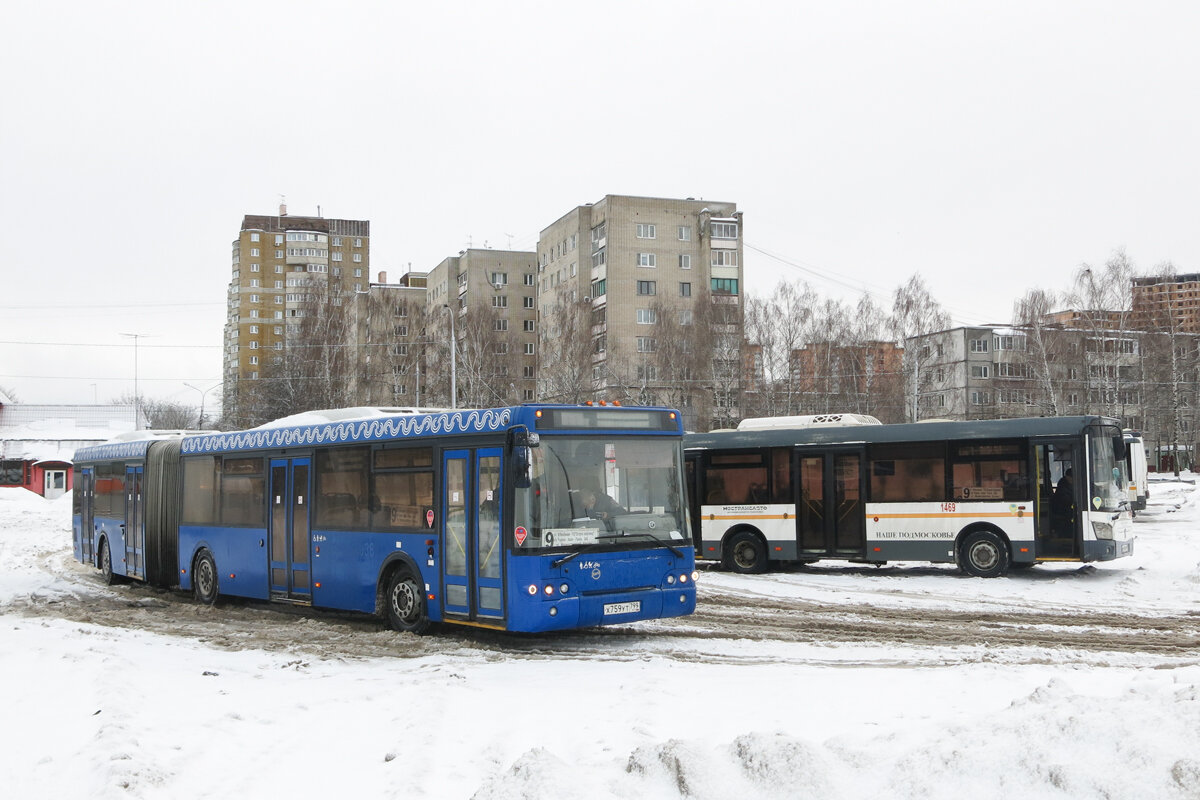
521	533
429	518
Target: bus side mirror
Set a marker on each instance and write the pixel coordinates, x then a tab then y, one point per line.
522	468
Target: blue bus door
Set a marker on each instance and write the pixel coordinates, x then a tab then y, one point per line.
135	531
472	561
289	530
87	516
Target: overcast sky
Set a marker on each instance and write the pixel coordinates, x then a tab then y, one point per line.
989	147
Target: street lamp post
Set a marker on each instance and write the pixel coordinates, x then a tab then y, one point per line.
203	394
137	403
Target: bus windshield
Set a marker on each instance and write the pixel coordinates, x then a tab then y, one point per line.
1106	469
627	492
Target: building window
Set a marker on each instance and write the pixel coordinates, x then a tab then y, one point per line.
529	279
685	261
979	345
499	301
527	302
646	260
980	371
527	394
646	287
501	324
724	230
724	258
645	231
684	233
599	259
646	316
337	241
647	372
358	242
501	348
646	344
254	237
528	325
599	288
358	258
529	348
725	285
685	290
254	267
980	398
499	279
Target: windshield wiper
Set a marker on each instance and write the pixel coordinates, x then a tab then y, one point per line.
640	535
558	562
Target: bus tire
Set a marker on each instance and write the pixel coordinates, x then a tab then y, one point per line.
205	585
104	562
746	554
984	554
404	602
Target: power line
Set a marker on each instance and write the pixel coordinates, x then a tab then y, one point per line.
118	345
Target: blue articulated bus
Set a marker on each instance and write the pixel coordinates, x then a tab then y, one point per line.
530	518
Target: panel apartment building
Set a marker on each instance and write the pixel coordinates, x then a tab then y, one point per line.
640	300
489	298
281	266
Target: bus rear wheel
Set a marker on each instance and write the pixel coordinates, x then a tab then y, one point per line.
984	554
405	602
205	586
106	568
746	554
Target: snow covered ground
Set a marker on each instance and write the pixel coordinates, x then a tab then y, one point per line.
661	710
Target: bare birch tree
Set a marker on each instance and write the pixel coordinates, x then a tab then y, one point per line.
916	313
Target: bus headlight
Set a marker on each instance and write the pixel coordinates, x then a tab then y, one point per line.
549	590
670	580
1103	530
695	576
683	578
563	589
532	589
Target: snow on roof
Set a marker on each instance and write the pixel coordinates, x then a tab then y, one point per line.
54	433
327	415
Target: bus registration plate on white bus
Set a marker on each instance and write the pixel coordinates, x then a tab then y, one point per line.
622	608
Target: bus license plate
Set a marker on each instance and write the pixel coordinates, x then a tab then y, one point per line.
622	608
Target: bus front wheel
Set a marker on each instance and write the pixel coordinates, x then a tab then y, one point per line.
984	554
746	554
205	586
405	602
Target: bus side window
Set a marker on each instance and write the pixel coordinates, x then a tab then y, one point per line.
342	488
781	475
908	473
737	479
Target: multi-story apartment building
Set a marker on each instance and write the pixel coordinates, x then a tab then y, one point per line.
1162	301
488	299
284	269
640	299
387	335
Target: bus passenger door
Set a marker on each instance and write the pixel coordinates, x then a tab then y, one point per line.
472	561
1060	473
829	506
87	516
135	531
288	530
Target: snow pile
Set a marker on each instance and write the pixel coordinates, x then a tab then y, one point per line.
115	710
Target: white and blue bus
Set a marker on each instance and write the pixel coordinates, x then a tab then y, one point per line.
530	518
986	495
